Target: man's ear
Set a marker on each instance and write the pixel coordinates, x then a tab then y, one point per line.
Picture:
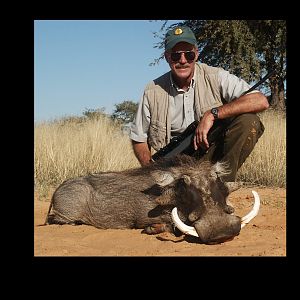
197	53
166	57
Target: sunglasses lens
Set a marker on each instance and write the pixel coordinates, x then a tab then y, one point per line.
175	56
189	56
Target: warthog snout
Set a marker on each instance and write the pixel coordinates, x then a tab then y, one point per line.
213	229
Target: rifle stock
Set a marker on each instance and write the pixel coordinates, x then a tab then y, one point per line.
183	143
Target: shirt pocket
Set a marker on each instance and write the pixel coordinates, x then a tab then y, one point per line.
157	134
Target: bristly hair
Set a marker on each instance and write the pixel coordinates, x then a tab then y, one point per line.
185	161
221	168
176	161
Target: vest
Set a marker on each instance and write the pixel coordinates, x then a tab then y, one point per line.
207	96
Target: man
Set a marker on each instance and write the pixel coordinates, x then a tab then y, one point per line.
194	91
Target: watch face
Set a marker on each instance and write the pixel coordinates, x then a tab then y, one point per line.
214	111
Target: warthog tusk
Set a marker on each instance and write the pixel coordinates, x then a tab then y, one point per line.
253	213
191	230
181	226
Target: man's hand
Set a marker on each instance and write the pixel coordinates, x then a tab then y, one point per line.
202	130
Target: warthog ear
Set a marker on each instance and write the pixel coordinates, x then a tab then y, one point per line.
162	178
233	186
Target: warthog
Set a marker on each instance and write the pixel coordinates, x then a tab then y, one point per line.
144	198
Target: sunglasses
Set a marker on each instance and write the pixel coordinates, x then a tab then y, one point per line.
189	55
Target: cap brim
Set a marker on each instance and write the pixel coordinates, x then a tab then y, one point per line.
171	44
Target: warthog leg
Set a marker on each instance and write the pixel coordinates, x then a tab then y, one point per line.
158	228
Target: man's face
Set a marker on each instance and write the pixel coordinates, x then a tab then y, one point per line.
181	59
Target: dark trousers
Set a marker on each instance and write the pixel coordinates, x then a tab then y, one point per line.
235	145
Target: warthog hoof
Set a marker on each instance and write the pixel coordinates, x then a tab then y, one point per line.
157	228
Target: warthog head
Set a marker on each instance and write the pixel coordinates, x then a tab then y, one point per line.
199	197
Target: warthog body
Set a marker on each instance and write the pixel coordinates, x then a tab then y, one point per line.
144	197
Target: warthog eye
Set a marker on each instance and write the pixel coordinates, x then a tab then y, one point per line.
194	215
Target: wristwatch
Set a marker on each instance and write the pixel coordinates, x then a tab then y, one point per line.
215	112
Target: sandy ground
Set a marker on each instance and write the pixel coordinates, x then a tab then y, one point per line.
263	236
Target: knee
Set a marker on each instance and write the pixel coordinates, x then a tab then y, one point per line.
249	123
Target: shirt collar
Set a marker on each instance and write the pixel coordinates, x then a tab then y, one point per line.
192	84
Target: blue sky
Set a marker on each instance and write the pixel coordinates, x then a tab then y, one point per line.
86	64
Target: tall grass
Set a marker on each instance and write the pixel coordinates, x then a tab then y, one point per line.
266	165
72	147
65	149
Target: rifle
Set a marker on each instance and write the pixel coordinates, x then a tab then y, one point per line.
183	143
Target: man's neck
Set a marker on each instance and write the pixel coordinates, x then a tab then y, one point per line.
183	84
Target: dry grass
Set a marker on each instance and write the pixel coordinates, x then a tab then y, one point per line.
69	149
266	165
72	147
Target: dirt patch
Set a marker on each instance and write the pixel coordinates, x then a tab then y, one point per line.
263	236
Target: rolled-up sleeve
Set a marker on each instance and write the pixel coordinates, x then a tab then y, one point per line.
231	86
140	126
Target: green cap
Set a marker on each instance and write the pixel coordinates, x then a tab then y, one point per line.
179	34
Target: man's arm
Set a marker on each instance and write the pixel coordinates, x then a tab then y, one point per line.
231	88
142	152
250	103
139	133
